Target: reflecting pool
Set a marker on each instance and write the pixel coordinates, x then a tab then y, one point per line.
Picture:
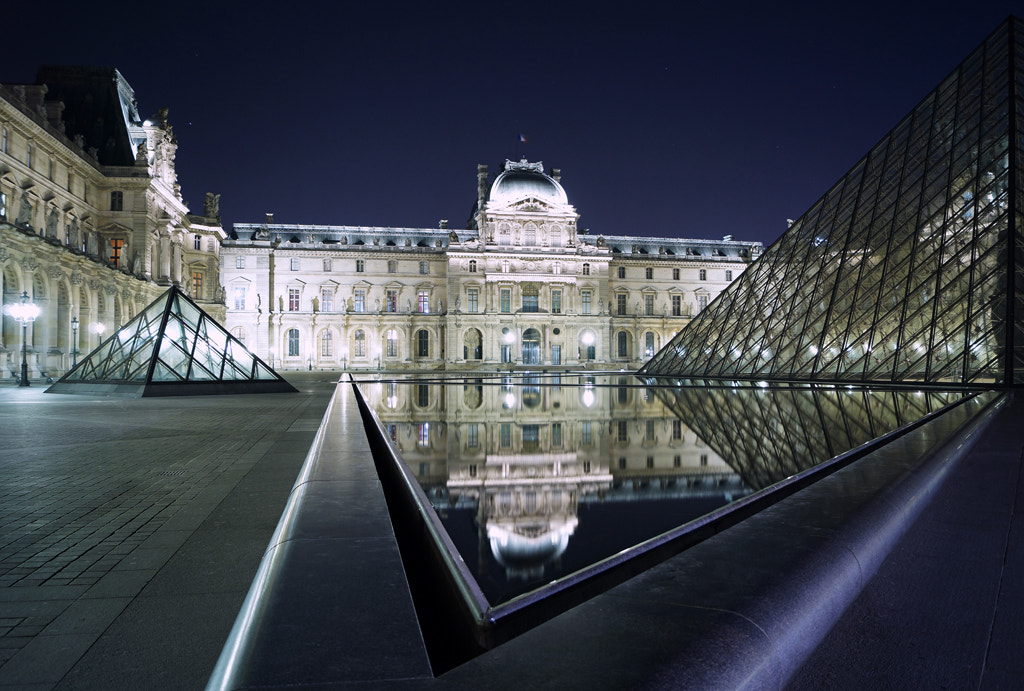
537	477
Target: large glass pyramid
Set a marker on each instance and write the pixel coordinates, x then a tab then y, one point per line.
171	348
909	270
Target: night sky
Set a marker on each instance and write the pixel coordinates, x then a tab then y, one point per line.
701	120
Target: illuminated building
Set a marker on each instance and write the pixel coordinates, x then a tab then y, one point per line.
521	286
92	222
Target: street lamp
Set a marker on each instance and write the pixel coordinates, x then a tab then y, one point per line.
24	312
74	342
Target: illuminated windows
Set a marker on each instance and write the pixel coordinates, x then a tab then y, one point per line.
423	301
293	342
359	300
116	245
293	299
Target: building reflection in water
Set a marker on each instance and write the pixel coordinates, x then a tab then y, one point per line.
537	477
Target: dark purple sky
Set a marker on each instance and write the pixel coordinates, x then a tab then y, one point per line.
701	120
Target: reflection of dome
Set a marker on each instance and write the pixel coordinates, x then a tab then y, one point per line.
524	556
524	180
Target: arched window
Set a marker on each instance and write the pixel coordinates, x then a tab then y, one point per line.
649	344
623	344
239	333
472	266
293	342
325	344
422	343
391	338
586	269
360	344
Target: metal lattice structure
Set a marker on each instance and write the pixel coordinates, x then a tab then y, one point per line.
909	270
171	348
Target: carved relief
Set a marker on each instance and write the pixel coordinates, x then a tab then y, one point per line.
77	278
54	272
29	265
94	284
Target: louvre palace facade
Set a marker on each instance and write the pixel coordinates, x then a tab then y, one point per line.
521	286
92	223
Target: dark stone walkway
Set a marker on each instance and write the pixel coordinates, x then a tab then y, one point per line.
130	529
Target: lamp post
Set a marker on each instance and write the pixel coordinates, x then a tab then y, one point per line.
24	312
98	328
74	342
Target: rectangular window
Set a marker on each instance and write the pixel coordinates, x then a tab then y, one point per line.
392	344
293	299
506	266
327	265
423	301
530	300
424	268
650	273
622	434
325	344
472	436
360	266
505	437
197	285
620	303
392	266
239	297
648	430
295	264
392	301
473	298
702	302
116	245
648	305
3	206
506	300
117	200
360	344
585	433
677	461
197	242
422	343
293	342
531	437
585	295
556	354
326	300
675	274
728	275
557	268
677	429
556	301
556	434
622	272
586	269
359	301
472	266
28	161
703	274
239	262
677	305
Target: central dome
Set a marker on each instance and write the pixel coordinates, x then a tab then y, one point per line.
524	180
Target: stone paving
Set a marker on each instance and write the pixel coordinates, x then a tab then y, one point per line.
111	505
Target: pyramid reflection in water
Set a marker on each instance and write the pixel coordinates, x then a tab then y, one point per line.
171	348
909	270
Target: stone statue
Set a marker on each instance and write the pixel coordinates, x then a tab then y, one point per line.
440	305
211	205
73	234
601	241
458	303
408	306
316	304
453	238
142	155
51	224
280	303
24	211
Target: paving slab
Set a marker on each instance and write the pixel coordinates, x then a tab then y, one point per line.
130	529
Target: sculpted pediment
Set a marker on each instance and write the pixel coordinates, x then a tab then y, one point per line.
530	204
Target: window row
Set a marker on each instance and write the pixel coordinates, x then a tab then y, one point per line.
327	265
702	274
390	349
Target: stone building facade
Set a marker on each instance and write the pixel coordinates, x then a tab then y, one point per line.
520	287
92	223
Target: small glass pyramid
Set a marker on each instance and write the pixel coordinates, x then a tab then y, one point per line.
171	348
909	270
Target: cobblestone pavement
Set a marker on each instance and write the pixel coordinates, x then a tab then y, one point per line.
99	496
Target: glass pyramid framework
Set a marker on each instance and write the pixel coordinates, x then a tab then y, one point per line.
909	270
171	348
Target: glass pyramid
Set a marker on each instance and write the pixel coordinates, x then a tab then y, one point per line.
171	348
909	270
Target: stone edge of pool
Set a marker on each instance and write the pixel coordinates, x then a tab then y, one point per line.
330	603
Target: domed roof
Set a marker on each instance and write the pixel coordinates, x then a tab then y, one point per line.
523	180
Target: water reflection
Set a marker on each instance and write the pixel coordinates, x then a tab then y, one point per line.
535	478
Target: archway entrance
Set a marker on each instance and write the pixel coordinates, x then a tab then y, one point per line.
531	347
